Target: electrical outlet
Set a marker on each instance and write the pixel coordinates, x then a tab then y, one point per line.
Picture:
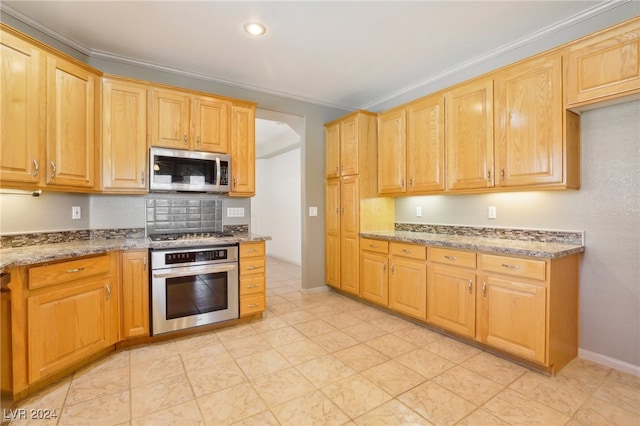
313	211
76	212
491	212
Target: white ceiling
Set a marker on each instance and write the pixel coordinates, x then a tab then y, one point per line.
348	54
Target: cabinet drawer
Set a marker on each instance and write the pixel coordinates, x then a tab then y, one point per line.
47	275
408	250
374	245
252	285
252	266
524	268
252	304
452	257
252	249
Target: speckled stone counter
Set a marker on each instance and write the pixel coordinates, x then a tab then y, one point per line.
30	255
482	244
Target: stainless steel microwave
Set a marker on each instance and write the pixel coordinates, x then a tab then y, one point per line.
180	170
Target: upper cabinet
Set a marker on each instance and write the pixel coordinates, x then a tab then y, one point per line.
604	65
23	99
183	120
50	109
392	152
344	152
243	151
72	103
535	142
469	129
124	136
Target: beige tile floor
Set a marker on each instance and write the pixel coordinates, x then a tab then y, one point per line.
324	359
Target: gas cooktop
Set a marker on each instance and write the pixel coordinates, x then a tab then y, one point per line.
189	236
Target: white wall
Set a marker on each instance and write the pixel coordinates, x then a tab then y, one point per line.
276	207
606	207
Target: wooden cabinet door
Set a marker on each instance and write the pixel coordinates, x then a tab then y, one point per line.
243	151
349	238
469	124
135	294
528	123
511	316
170	119
392	152
23	91
332	232
408	286
349	149
451	299
425	145
124	136
332	154
374	281
605	65
71	105
70	324
211	124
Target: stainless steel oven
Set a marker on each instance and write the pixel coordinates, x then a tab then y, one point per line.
193	286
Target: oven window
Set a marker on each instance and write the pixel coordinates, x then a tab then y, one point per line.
196	294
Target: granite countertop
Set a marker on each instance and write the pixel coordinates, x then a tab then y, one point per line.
482	244
22	256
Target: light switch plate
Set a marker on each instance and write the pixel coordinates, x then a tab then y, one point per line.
491	212
235	211
313	211
76	212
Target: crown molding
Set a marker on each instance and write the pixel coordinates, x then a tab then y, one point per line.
519	43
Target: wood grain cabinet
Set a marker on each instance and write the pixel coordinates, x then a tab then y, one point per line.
408	279
186	120
536	141
134	291
529	307
124	136
469	130
252	278
451	290
50	110
351	201
72	108
374	271
243	151
72	312
411	148
23	88
604	65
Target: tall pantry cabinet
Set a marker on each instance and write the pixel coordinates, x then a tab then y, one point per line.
351	202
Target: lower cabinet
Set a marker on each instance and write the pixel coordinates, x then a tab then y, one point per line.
451	287
408	279
134	292
72	312
525	307
252	278
374	277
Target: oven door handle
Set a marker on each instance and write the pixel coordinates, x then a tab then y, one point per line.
190	270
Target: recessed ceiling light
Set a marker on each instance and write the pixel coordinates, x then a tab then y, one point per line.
255	28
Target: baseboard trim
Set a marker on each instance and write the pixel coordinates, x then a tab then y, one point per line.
609	362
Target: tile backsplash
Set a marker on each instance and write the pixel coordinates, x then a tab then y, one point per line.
183	215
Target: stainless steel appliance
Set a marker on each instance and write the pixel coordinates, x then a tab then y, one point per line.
181	170
193	286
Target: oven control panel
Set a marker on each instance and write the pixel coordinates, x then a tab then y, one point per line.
195	256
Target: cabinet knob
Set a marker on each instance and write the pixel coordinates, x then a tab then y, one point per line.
484	289
53	169
36	167
393	268
489	175
73	271
506	265
384	267
185	139
108	291
502	173
470	286
142	178
454	258
252	305
198	140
